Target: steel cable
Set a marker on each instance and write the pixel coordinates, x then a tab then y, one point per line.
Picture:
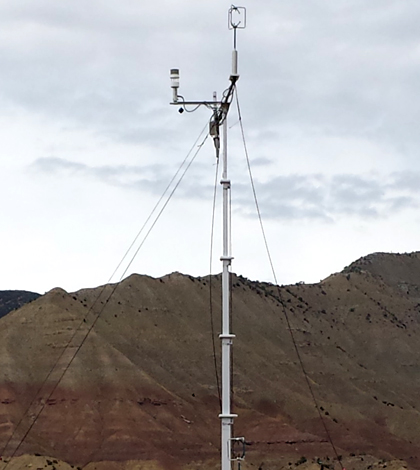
211	283
96	300
286	316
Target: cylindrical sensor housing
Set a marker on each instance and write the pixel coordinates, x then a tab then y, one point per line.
235	62
174	84
175	78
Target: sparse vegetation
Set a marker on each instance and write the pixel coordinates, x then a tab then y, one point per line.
164	326
302	460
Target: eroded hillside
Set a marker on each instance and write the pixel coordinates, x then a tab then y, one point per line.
143	388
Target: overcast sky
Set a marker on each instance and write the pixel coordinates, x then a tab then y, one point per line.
330	107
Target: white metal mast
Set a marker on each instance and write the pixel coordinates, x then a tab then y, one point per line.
237	19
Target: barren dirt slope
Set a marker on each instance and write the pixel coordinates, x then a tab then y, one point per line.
398	270
142	386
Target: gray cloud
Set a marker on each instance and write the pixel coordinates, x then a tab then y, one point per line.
99	66
343	69
149	178
332	67
261	161
329	198
291	197
152	179
406	179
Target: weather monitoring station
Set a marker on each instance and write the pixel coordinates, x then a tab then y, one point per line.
232	448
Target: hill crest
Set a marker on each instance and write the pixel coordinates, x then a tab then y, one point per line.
14	299
143	386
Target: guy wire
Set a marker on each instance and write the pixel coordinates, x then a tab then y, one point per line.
103	308
211	284
159	201
286	316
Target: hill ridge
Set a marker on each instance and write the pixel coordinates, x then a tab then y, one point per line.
13	299
143	385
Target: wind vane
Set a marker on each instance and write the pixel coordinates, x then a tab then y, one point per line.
236	20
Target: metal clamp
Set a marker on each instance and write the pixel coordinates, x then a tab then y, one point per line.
242	447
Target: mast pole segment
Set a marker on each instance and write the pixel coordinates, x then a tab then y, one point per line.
236	20
226	338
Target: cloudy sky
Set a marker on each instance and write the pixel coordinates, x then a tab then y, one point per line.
330	108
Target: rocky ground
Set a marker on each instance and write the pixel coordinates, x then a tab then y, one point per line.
35	462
